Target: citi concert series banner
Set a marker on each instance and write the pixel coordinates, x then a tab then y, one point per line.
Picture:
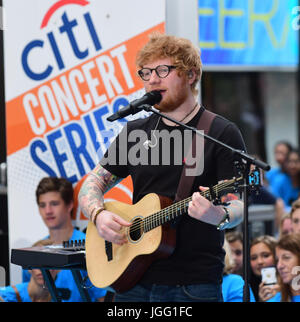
69	64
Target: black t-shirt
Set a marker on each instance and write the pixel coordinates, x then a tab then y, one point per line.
198	256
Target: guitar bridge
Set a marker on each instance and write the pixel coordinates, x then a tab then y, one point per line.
108	250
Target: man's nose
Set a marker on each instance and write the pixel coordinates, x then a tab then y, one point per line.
154	78
48	208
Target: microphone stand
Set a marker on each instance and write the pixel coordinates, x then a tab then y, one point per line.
243	168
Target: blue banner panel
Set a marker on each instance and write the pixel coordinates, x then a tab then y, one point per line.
249	33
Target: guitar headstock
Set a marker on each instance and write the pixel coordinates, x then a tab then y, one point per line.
218	194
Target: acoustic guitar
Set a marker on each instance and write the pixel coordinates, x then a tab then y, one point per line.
150	237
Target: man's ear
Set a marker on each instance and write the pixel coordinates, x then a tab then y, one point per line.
70	206
191	75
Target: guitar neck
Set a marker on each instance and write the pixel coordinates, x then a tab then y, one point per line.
179	208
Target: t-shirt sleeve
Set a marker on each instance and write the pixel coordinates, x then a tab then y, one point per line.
115	159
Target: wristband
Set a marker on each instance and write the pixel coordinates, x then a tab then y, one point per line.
96	215
225	220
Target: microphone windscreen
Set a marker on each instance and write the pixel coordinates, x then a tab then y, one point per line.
154	97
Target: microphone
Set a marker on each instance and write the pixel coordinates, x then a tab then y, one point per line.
150	98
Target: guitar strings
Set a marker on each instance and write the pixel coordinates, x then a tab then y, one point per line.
180	206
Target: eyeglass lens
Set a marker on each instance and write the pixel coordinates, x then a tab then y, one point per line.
161	71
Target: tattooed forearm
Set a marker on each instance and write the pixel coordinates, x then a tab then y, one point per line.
96	184
105	179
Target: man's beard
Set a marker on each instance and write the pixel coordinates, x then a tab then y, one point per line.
170	104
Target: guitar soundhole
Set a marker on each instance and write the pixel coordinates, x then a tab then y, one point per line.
136	229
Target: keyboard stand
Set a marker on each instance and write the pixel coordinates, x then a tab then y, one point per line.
79	282
77	279
47	259
50	285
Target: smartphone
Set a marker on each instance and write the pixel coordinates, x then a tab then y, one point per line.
268	275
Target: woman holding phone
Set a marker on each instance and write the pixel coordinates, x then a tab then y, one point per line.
262	260
288	267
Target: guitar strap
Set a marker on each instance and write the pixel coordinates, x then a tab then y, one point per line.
186	182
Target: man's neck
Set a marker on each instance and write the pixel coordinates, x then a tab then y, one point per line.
57	236
184	113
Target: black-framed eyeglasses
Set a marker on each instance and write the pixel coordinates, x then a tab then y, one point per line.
161	71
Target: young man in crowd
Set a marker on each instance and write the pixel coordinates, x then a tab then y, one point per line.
54	197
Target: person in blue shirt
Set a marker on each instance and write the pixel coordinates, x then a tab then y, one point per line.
54	197
278	298
287	186
32	291
281	150
235	243
262	255
232	289
288	266
233	284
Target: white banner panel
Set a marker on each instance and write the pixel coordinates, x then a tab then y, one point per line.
69	64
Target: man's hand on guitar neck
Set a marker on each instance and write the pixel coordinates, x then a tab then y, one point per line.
202	209
110	227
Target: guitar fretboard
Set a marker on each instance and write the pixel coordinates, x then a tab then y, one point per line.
179	208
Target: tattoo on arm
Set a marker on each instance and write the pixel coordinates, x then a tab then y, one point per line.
94	187
105	179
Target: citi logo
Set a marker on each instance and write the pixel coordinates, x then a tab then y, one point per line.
50	45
